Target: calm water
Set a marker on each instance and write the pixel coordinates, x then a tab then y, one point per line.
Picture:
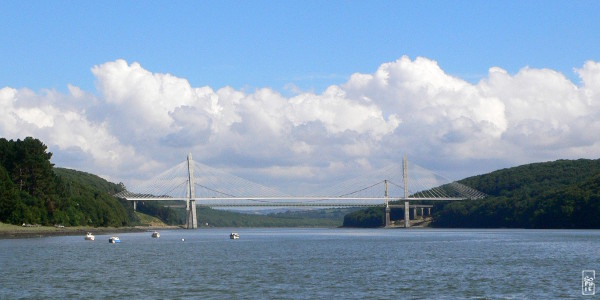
303	264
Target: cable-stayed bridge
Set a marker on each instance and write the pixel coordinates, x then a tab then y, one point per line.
199	184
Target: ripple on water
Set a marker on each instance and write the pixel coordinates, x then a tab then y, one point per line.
303	264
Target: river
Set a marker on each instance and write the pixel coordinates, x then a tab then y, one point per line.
303	264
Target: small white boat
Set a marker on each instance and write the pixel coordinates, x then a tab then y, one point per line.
234	236
89	236
155	234
114	239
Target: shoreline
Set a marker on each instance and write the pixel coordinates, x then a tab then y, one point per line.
18	232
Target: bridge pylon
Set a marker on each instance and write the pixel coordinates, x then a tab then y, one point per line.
191	220
406	204
387	206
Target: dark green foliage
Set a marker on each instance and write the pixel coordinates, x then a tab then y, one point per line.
28	187
9	197
559	194
532	179
368	218
33	191
165	214
87	200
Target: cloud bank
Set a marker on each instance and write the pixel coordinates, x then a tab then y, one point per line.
138	122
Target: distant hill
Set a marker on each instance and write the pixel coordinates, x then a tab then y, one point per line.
310	218
558	194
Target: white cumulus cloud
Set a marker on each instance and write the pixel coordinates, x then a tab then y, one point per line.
138	122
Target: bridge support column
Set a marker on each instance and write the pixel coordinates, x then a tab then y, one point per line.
406	204
134	205
387	205
406	214
387	216
415	212
422	215
429	211
191	221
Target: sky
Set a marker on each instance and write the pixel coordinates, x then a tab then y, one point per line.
295	91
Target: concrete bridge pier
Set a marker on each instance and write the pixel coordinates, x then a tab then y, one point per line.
406	214
387	216
406	204
134	205
191	221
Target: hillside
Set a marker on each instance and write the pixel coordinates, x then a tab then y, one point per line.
33	191
559	194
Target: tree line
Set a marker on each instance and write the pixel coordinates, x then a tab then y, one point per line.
558	194
33	191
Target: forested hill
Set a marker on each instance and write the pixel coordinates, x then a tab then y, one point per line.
559	194
33	191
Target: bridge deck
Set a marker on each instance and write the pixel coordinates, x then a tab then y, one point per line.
304	205
293	198
294	201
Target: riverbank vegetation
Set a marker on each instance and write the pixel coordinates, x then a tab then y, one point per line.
32	191
35	192
559	194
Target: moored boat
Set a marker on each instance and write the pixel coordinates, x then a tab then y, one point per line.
234	236
114	239
89	236
155	234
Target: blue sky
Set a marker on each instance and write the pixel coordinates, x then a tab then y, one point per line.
299	90
310	44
